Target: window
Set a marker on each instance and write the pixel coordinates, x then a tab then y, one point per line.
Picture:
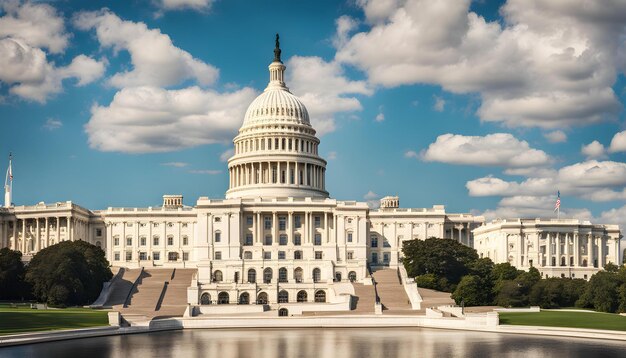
155	225
318	239
218	255
251	276
184	224
205	299
249	220
318	221
116	256
302	296
297	275
349	239
282	223
282	239
318	255
185	256
350	255
281	255
143	256
244	298
352	276
155	240
129	224
142	241
218	236
282	275
218	276
156	256
268	223
297	255
283	297
262	298
170	241
98	232
129	255
248	241
217	219
185	240
374	258
374	241
268	240
267	275
386	243
116	241
172	256
129	241
317	275
170	224
296	221
247	255
267	255
297	240
320	296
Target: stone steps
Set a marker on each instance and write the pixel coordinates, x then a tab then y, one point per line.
391	292
366	298
121	287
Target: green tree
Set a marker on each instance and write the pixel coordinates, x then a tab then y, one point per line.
601	292
68	273
12	271
446	259
508	293
505	271
471	292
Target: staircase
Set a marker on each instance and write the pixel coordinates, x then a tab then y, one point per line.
175	297
366	298
390	291
432	298
120	288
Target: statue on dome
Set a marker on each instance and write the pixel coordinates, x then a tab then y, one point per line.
277	50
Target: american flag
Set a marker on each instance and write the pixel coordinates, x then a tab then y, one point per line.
558	201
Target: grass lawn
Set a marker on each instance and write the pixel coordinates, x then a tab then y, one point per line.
593	320
24	319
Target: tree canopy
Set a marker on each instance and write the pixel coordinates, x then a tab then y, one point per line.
12	271
68	273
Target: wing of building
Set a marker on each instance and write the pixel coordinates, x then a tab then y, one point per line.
276	225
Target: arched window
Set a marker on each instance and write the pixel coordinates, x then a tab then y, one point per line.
317	275
297	255
251	276
223	298
338	276
283	312
562	261
267	275
247	255
98	244
302	296
282	274
584	263
297	274
205	299
554	261
320	296
262	298
217	276
244	298
283	297
352	276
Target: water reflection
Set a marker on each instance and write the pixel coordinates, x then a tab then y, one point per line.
328	343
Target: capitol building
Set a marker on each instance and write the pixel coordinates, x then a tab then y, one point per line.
278	224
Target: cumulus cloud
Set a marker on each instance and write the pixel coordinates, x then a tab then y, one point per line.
440	104
618	143
324	89
557	136
155	60
345	25
227	154
185	4
411	154
151	119
549	64
52	124
331	156
175	164
372	199
498	149
380	117
593	150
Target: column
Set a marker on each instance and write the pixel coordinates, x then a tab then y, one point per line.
67	233
549	249
109	243
305	232
259	228
296	174
14	245
274	228
589	250
520	245
37	236
290	225
23	236
576	250
326	225
601	253
58	238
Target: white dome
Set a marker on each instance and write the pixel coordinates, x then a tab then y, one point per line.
276	105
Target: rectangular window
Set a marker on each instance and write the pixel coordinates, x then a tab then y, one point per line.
185	256
297	240
116	256
297	255
217	219
129	241
374	241
296	221
156	256
218	236
248	241
155	225
116	241
268	223
142	241
170	241
281	255
318	239
318	221
185	240
268	240
143	256
283	240
318	255
129	255
374	258
350	255
218	255
129	224
249	220
386	257
155	240
282	223
98	232
267	255
349	237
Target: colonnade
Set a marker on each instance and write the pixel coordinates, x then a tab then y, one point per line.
286	144
574	249
278	172
29	235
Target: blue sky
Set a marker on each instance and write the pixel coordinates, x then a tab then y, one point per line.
487	107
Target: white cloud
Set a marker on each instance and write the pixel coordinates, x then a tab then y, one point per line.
324	89
331	156
185	4
155	59
411	154
38	25
498	149
550	64
227	154
206	171
440	104
372	199
151	119
618	143
345	25
52	124
380	117
613	216
371	195
557	136
175	164
593	150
